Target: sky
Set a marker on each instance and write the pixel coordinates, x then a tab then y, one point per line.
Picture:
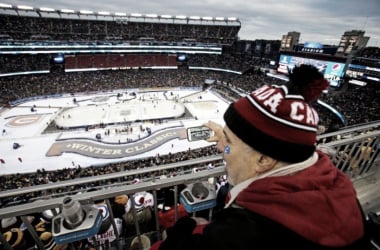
322	21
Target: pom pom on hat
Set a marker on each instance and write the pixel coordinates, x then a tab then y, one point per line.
121	199
139	201
47	240
145	241
7	223
309	81
278	120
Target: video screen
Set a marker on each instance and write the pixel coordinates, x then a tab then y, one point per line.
333	71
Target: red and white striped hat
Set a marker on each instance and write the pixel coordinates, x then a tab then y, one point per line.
279	120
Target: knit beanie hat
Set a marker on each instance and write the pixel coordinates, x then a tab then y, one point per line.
278	120
8	223
47	240
15	238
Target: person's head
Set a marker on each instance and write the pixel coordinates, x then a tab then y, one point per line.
273	125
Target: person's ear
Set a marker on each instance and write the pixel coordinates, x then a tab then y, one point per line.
264	163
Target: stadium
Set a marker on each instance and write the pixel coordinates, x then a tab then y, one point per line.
98	108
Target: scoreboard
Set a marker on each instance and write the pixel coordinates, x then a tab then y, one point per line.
332	71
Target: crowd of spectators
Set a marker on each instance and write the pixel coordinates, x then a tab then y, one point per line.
18	27
42	176
358	104
22	63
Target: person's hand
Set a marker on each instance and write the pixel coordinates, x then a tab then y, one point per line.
218	131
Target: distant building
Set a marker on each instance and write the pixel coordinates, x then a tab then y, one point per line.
352	41
289	40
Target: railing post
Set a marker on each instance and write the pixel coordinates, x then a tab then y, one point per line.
32	232
175	203
114	224
137	225
157	223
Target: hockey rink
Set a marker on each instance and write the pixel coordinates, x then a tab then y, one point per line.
114	126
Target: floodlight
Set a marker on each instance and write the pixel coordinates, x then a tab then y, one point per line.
120	14
194	17
208	18
104	13
166	16
67	11
357	82
219	18
4	5
24	7
86	12
47	9
373	78
136	14
180	17
151	15
232	19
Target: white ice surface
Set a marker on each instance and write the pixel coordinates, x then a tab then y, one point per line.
34	145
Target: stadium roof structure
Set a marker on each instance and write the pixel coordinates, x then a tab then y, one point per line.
46	12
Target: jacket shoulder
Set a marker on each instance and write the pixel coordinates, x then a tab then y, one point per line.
237	228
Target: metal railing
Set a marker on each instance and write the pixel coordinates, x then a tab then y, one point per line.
355	151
